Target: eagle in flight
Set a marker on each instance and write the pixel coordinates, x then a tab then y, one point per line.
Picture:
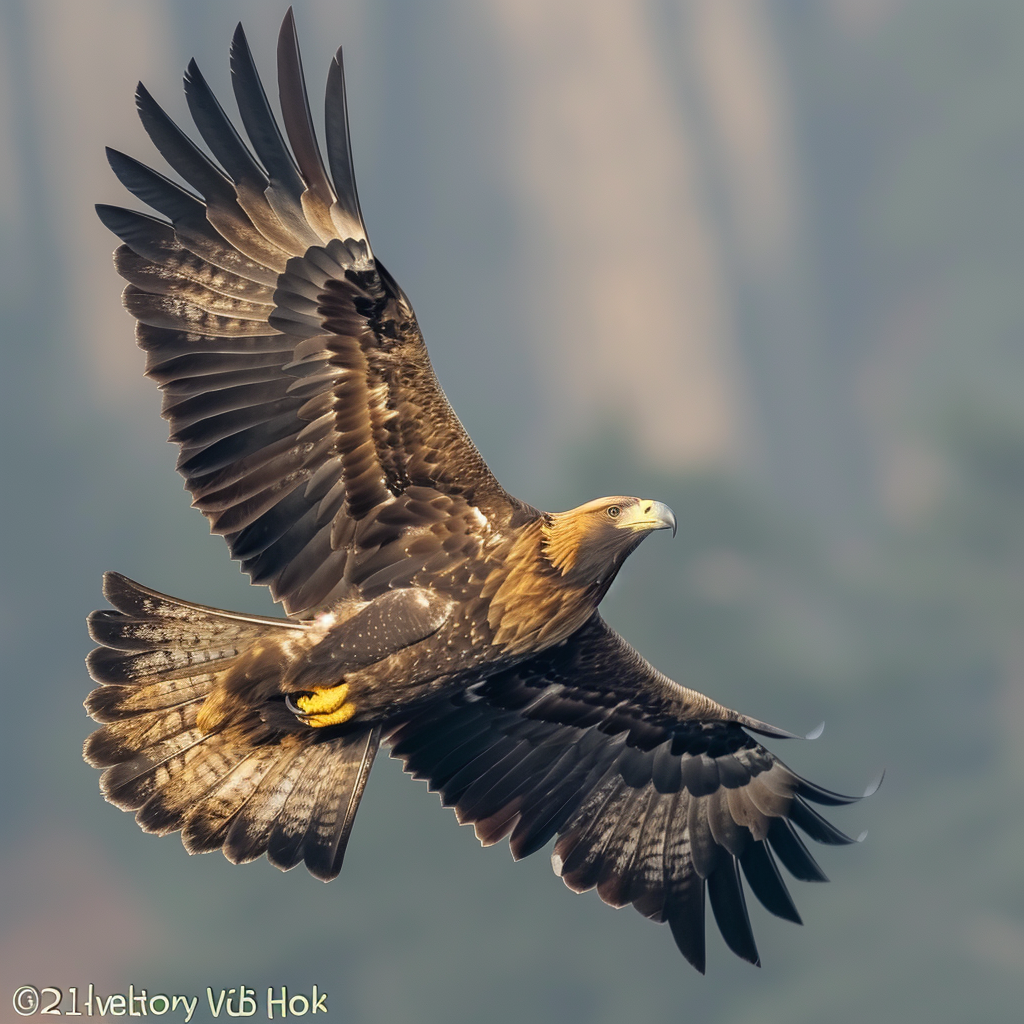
427	608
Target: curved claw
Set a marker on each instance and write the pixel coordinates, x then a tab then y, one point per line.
294	708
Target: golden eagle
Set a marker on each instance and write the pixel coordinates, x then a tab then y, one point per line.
427	607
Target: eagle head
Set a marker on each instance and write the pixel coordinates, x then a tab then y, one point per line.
588	544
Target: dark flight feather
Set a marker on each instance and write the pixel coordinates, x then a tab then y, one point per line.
766	882
730	909
790	849
297	118
220	134
685	915
258	118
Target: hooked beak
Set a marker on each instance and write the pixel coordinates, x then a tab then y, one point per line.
653	515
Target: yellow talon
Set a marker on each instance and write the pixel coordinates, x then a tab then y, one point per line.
323	700
326	706
343	714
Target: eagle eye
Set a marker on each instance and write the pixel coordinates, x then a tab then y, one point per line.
614	511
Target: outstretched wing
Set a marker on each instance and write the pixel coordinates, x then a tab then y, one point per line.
313	432
653	803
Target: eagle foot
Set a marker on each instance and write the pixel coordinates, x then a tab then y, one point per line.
322	706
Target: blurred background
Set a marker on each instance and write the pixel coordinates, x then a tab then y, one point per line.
762	260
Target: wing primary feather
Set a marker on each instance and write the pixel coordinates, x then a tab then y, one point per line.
704	852
188	215
685	915
820	830
790	849
180	151
142	232
298	122
825	797
339	148
766	883
725	830
725	890
156	190
220	134
286	185
258	118
223	209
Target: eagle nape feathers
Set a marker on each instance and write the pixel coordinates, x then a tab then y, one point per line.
427	608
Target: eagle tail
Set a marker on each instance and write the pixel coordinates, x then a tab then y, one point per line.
290	794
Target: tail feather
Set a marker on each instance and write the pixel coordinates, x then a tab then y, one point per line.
331	825
207	823
130	784
290	793
330	822
248	834
124	632
114	703
112	666
286	845
124	739
185	780
134	599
